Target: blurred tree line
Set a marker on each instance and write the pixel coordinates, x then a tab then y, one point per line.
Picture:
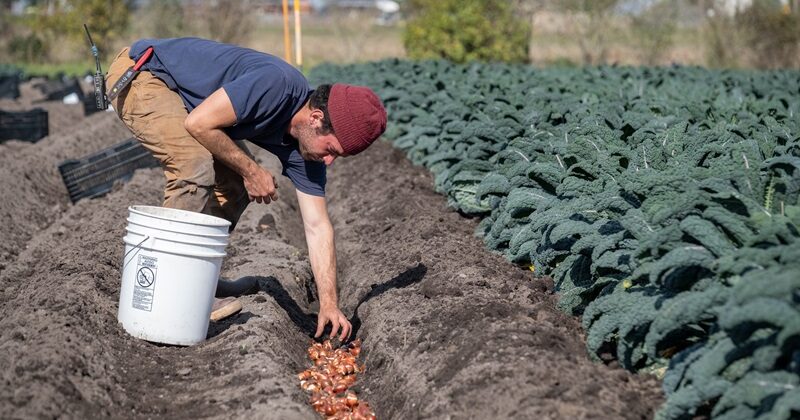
48	25
466	30
49	31
765	35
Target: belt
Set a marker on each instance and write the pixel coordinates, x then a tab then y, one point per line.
129	74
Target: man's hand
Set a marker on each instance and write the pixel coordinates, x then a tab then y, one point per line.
337	319
260	185
206	123
322	253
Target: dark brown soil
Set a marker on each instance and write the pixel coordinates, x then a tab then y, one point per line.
450	330
34	193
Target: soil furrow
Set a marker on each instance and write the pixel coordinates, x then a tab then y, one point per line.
61	296
35	194
450	330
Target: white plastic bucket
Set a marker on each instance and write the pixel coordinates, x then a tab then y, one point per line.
169	274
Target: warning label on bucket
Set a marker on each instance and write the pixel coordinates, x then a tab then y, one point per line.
145	285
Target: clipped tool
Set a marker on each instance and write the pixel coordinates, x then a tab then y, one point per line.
129	74
101	99
99	79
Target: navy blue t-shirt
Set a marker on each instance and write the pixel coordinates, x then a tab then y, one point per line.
265	92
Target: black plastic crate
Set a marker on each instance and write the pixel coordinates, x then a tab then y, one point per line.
56	90
94	175
9	85
89	104
23	125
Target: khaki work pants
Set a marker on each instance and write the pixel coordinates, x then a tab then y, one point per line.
155	115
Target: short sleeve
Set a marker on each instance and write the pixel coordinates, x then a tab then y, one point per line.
255	93
307	176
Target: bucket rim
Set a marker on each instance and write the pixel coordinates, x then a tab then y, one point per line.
200	235
136	231
212	221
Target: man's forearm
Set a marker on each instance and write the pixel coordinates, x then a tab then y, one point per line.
225	149
322	253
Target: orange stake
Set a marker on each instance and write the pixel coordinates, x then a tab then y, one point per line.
298	46
287	42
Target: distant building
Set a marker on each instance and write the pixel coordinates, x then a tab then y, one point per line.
388	10
732	7
725	7
634	7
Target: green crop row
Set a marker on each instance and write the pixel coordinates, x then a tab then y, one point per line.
662	201
26	71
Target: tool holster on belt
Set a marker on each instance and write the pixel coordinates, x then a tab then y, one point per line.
129	74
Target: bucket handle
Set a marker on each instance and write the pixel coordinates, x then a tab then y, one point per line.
124	263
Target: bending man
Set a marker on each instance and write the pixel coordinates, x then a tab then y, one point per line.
193	104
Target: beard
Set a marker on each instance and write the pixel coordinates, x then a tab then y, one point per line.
303	150
306	135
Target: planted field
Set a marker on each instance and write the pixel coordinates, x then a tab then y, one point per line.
448	329
659	205
663	203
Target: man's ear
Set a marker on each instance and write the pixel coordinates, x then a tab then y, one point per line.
316	117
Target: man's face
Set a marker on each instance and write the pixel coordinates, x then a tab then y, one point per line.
318	147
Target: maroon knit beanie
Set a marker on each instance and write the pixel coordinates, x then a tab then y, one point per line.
357	116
